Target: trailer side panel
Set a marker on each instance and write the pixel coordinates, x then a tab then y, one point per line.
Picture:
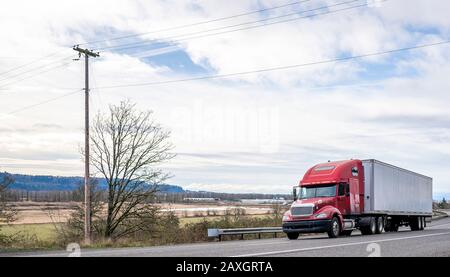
393	190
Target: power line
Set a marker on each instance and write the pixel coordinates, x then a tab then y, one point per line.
197	23
34	75
235	74
23	58
230	26
30	63
171	39
279	67
94	79
43	102
34	69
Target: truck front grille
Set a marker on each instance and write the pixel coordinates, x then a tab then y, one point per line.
302	211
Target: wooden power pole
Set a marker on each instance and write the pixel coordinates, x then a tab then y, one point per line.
87	188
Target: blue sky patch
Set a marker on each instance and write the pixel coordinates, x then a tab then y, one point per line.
178	61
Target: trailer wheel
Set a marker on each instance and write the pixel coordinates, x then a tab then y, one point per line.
380	225
293	236
335	228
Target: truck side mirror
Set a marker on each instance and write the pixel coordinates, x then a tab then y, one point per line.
294	193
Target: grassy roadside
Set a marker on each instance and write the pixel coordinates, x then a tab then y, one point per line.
27	237
44	232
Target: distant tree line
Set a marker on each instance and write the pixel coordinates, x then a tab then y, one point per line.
57	183
41	196
160	197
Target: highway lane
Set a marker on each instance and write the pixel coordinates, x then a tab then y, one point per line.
433	241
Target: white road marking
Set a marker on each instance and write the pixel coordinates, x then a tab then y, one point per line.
336	245
146	249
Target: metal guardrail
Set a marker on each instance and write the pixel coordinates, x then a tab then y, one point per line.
438	214
219	233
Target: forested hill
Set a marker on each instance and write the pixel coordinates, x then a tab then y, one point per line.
57	183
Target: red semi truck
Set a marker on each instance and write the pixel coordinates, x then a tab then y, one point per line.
369	195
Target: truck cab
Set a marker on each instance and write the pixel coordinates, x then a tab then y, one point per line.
328	194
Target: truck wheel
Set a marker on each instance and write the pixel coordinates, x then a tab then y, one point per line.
371	228
335	228
380	225
293	236
421	223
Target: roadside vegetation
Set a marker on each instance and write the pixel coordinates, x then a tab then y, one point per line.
167	229
12	237
7	212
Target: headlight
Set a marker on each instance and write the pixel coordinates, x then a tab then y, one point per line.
287	216
322	215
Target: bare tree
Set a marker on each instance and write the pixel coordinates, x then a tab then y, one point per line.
127	147
7	212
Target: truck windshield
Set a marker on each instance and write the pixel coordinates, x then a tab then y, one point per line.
317	191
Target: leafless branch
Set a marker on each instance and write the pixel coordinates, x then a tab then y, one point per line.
127	147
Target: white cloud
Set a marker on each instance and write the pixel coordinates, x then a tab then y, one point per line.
247	133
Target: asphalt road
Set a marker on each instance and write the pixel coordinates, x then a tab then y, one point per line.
433	241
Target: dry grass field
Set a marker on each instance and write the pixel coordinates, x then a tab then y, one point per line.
46	232
44	212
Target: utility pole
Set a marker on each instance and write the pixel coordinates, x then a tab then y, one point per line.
87	188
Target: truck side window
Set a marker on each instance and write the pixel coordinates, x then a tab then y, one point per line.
343	189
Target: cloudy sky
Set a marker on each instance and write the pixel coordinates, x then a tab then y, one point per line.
254	132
